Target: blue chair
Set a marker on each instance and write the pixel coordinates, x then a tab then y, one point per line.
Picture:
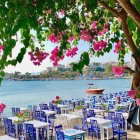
30	107
46	107
118	131
30	132
37	115
91	113
84	112
17	110
120	119
52	107
58	128
110	106
43	116
85	125
13	111
94	128
43	134
51	128
60	135
20	130
11	129
5	125
34	108
58	110
111	115
41	106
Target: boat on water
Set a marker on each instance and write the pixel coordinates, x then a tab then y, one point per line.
92	90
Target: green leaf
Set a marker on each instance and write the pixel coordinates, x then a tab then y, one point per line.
2	73
21	55
12	62
85	58
91	4
131	25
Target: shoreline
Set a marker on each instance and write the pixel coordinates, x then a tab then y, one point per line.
67	79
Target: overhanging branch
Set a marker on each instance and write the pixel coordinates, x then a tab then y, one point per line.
131	10
133	48
108	8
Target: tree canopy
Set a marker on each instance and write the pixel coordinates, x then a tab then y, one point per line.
105	24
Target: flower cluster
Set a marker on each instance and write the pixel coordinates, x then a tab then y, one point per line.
1	48
57	100
100	45
118	47
93	25
72	52
85	35
38	56
22	116
53	38
118	70
41	21
2	107
71	38
131	93
54	56
104	30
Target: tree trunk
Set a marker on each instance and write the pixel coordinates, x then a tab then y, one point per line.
131	10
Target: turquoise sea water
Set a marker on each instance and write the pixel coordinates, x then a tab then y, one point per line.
23	93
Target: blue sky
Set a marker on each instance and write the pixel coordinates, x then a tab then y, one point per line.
27	65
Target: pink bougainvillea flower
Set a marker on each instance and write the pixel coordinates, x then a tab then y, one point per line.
54	56
71	38
62	12
41	20
100	45
100	33
138	101
57	97
37	57
53	101
85	35
104	30
131	93
2	107
118	70
1	48
118	47
119	19
53	38
71	52
93	25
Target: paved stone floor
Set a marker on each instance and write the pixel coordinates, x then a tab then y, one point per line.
132	135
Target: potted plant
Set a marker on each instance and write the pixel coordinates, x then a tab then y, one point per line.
57	101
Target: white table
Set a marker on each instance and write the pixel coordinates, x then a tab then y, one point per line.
13	118
5	137
125	115
48	112
64	108
73	132
101	123
38	124
97	110
122	105
70	116
23	109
